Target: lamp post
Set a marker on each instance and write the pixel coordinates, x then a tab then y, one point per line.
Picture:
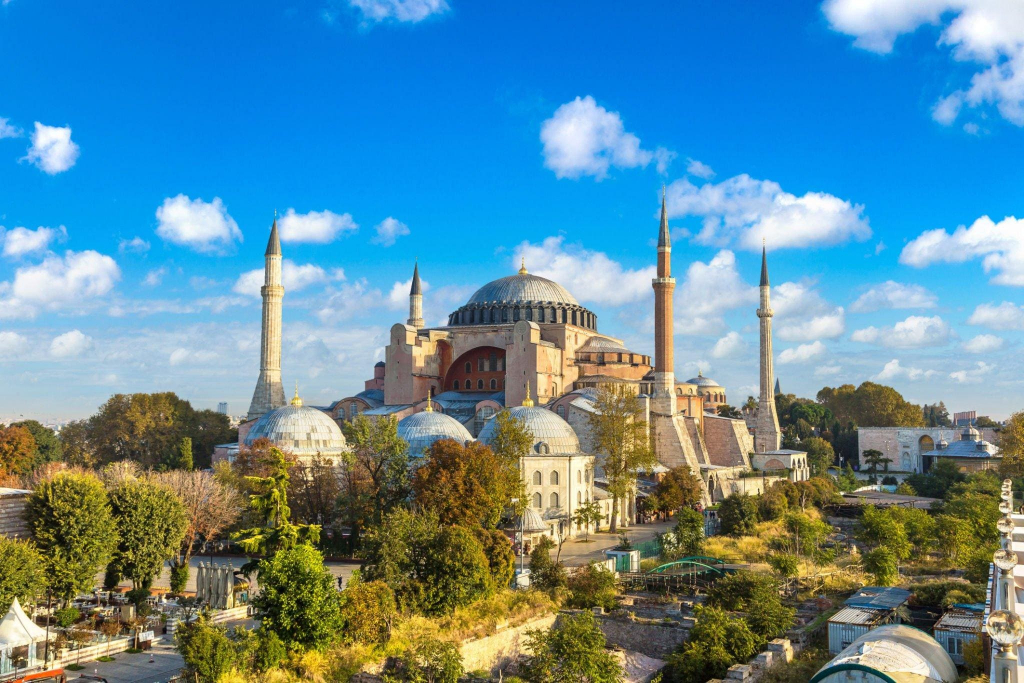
522	538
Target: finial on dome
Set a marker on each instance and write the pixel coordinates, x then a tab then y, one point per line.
296	401
700	373
430	406
528	402
522	267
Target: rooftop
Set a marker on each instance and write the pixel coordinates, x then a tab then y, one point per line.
877	597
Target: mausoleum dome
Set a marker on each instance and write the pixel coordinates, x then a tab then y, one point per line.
301	430
421	430
551	434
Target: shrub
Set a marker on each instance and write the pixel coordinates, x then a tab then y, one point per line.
716	642
297	599
66	617
431	661
368	610
934	593
206	650
592	586
545	573
501	560
574	650
179	578
738	514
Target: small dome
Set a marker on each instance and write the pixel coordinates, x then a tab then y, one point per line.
701	381
421	430
379	364
522	288
551	434
301	430
970	433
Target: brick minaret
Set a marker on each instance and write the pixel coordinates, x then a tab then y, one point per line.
664	401
767	435
269	394
415	300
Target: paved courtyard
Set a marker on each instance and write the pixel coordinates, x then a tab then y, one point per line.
136	668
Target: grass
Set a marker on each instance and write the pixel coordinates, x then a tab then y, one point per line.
105	658
134	651
74	667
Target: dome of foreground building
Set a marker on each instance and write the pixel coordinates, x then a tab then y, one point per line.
420	430
551	434
303	431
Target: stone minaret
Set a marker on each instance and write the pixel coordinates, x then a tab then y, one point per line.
767	435
269	394
664	401
415	300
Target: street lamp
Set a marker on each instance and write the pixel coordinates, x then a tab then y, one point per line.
522	539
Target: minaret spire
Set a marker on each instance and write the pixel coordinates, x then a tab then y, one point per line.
415	300
767	435
664	346
269	393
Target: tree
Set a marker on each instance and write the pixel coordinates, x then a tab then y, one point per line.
466	484
185	454
820	455
297	598
679	488
986	421
592	586
870	405
689	531
954	539
150	523
724	410
873	459
587	514
621	438
431	661
511	443
210	508
501	560
942	476
717	641
21	571
1011	446
380	454
883	565
545	573
73	526
738	514
48	447
881	529
17	450
206	650
848	480
936	415
75	444
368	611
758	596
571	652
313	490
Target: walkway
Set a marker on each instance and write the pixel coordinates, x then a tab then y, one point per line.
136	668
576	552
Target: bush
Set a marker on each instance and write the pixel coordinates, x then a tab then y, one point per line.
368	610
501	560
889	480
592	586
206	650
785	564
934	593
179	578
689	531
716	642
545	573
758	596
66	617
738	514
574	650
882	564
431	661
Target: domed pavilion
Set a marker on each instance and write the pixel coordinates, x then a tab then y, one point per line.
303	431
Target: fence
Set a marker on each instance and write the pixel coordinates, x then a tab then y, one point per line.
648	549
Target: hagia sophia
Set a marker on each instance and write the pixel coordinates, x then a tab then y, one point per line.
525	344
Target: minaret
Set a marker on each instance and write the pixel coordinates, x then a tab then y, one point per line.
269	394
415	300
664	362
767	435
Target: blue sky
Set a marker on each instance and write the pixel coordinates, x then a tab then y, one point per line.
145	147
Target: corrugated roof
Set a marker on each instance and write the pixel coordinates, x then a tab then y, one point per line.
877	597
856	616
960	620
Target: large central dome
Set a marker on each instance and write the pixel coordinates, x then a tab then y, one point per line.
522	288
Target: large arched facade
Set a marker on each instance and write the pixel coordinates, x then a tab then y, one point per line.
479	369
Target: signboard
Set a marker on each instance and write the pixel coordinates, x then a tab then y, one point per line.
146	635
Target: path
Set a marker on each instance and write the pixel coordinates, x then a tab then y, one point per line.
136	668
576	552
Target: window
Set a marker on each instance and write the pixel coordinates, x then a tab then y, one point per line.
579	498
536	500
353	410
456	385
469	367
481	364
492	361
554	500
554	389
579	476
561	411
587	476
479	384
538	479
554	478
494	384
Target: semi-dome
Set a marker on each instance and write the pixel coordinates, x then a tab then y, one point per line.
551	434
701	381
301	430
421	430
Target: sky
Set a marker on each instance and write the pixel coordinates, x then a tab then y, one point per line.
873	146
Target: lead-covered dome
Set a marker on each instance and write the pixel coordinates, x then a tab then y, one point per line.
523	288
301	430
701	381
421	430
551	434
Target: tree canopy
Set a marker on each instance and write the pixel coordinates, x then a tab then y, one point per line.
151	522
571	652
871	405
21	571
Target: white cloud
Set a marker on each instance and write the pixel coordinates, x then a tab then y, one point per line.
58	283
398	297
52	150
707	291
583	138
12	344
983	343
892	294
913	333
352	300
317	227
827	326
729	345
972	375
20	241
183	356
743	210
154	277
204	227
987	33
389	230
827	370
893	370
1005	316
802	353
590	275
999	245
70	344
699	169
135	245
797	300
9	130
412	11
294	277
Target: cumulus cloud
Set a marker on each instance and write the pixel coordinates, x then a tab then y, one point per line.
316	227
21	241
135	245
743	210
294	277
828	326
52	150
1005	316
352	300
9	130
913	333
707	291
589	275
411	11
389	230
827	370
58	283
797	300
204	227
983	343
727	346
802	353
986	33
184	356
893	371
1000	246
699	169
583	138
70	344
892	294
154	277
12	344
972	375
398	297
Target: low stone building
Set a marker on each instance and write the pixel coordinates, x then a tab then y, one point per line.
905	446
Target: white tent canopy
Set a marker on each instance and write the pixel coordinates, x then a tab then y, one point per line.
17	630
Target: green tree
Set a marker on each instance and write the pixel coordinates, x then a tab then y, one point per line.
620	438
758	596
73	526
942	476
881	529
207	651
689	531
716	642
430	661
954	538
512	442
587	514
592	586
873	458
501	560
380	462
75	445
1011	447
258	650
571	652
466	484
724	410
297	598
545	573
919	525
48	447
785	564
820	454
150	525
679	488
21	571
883	564
738	514
185	454
870	405
368	611
848	479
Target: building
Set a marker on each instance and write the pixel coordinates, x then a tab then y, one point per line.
957	628
421	430
967	417
304	431
792	463
767	435
890	654
269	392
12	513
905	446
864	611
970	453
222	408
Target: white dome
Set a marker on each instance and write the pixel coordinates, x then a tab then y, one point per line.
421	430
547	428
301	430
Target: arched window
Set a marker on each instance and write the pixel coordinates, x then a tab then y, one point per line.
554	500
479	384
494	384
537	500
561	411
469	367
554	389
538	478
587	476
579	476
353	410
456	385
554	478
579	497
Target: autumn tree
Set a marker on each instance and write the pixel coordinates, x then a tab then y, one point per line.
466	484
379	468
48	446
151	522
621	439
1011	447
871	405
678	488
17	450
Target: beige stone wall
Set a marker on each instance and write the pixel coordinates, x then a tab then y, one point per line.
728	441
673	443
494	651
